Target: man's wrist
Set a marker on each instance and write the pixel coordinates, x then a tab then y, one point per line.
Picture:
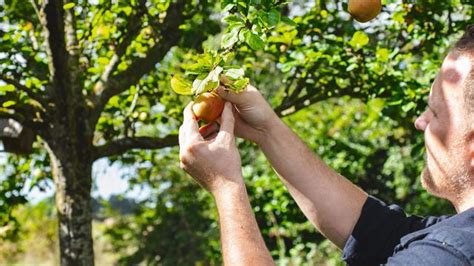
228	189
268	134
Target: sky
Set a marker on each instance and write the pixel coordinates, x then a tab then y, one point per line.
108	181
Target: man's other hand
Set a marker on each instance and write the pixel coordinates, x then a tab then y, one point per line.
213	162
254	117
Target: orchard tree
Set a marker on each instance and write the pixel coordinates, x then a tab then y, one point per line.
63	63
92	80
84	78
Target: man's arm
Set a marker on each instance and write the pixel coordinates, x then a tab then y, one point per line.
330	201
214	163
242	242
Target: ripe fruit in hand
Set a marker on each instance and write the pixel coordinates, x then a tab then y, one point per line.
208	106
364	10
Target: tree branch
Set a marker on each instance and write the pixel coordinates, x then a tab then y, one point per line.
132	30
299	103
27	113
39	10
4	113
24	116
170	36
291	106
120	146
56	50
33	95
72	47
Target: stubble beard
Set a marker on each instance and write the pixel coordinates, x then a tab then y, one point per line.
451	187
427	181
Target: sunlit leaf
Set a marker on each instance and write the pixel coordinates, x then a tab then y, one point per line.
209	83
180	85
230	38
69	6
234	73
8	104
359	40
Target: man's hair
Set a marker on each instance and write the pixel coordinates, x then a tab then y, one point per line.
465	46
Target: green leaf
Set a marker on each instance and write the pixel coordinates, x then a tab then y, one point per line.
254	41
228	57
127	10
8	104
234	73
324	13
408	107
230	38
204	63
239	85
7	88
103	60
69	6
227	8
273	17
359	40
114	102
288	21
211	82
382	54
180	85
234	20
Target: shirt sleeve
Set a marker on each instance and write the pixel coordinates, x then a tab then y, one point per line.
378	230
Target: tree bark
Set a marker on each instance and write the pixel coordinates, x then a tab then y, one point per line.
71	164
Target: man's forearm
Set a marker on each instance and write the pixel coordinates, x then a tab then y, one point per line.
331	202
242	242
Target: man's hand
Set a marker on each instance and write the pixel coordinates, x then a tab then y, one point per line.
213	162
254	116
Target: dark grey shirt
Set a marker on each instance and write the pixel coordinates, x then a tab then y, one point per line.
386	235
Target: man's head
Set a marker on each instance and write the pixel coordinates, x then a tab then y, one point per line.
448	125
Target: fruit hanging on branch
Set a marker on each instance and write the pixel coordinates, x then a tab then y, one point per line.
246	26
364	10
202	77
208	106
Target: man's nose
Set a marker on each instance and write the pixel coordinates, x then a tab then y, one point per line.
421	122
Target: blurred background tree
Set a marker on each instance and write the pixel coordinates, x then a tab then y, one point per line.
91	78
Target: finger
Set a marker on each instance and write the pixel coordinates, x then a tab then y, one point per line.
190	127
211	136
226	131
239	125
229	95
209	129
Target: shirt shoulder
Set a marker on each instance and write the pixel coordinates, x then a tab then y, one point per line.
379	230
443	243
429	252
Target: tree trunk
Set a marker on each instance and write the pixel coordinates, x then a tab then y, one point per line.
72	173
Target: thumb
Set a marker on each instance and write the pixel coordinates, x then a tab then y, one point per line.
227	124
229	95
